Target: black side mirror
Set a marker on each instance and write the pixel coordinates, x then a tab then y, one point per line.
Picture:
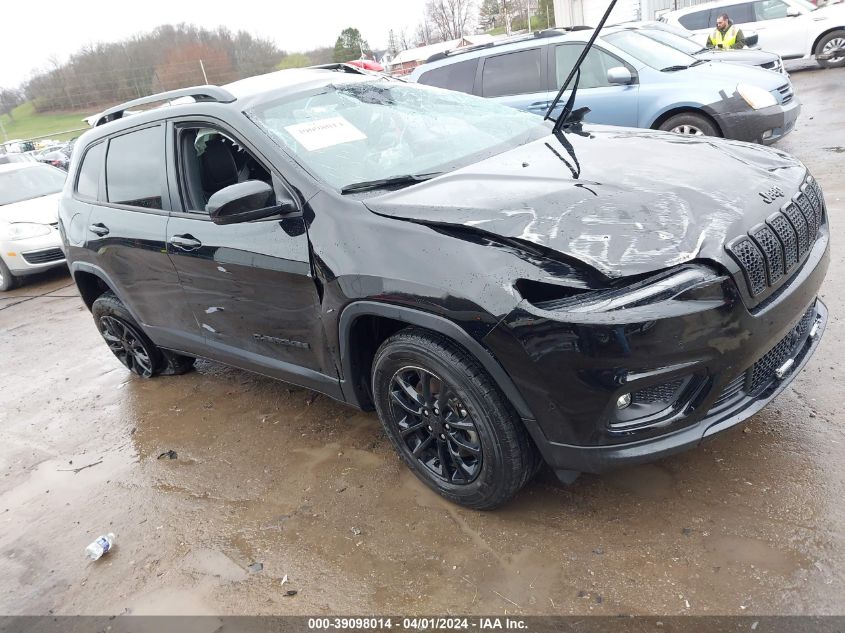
751	40
246	201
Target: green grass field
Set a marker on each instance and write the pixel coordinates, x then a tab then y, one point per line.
26	123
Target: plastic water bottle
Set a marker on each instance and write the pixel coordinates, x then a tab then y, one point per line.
99	547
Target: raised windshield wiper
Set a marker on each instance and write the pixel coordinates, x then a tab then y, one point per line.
381	183
576	70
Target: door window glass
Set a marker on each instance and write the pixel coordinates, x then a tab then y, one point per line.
209	161
514	73
135	168
738	13
593	70
88	184
769	10
696	20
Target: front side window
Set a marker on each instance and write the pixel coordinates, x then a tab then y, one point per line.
364	130
30	182
210	160
460	76
593	70
135	168
696	20
514	73
88	183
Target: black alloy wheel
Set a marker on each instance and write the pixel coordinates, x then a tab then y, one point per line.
435	426
449	421
128	345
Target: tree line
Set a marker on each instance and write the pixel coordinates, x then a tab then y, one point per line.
166	58
176	56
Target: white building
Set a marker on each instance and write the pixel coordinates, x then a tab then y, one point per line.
589	12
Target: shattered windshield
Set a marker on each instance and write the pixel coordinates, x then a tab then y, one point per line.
367	131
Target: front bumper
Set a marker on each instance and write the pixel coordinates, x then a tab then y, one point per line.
722	359
723	416
766	126
29	256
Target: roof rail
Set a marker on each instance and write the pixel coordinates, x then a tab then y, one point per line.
213	94
554	31
342	66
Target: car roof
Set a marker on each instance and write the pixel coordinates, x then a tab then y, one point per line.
704	6
241	96
4	167
581	34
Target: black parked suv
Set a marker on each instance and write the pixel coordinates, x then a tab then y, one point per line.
502	295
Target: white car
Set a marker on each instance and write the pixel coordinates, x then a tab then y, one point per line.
791	28
29	234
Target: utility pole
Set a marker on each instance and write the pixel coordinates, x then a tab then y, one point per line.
204	76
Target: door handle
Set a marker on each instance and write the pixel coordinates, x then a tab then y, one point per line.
185	242
99	229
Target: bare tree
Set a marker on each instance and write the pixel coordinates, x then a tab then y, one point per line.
450	18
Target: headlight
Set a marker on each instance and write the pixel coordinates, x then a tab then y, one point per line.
25	230
756	97
687	283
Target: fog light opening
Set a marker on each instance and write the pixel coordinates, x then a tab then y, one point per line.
623	401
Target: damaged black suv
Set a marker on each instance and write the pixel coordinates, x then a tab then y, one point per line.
501	294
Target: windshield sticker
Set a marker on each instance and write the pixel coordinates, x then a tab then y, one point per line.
323	133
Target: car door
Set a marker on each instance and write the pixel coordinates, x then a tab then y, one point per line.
778	32
249	284
126	231
609	104
517	79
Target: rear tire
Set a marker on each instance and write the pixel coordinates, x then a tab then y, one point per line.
836	39
130	345
689	124
7	280
449	422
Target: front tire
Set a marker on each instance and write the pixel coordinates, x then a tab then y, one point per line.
449	422
7	280
689	124
831	41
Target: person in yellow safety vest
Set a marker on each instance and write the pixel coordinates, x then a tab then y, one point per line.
726	34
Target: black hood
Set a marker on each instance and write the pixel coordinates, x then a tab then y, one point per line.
623	201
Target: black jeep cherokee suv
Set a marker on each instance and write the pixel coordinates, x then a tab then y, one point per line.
500	294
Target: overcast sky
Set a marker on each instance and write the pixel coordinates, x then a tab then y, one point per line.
35	30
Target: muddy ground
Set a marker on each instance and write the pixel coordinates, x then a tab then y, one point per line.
750	523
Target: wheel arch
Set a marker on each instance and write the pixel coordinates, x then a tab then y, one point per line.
665	116
823	35
364	325
92	281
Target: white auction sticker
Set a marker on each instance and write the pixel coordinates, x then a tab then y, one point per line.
315	135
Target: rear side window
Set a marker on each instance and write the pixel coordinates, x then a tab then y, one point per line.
696	20
135	168
460	76
88	183
514	73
